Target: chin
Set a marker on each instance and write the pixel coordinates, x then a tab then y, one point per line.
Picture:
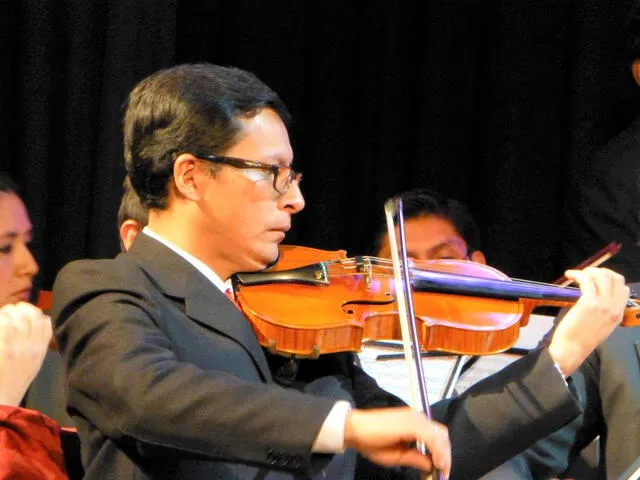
267	256
258	260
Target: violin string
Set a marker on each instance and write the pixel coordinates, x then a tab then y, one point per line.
543	284
385	265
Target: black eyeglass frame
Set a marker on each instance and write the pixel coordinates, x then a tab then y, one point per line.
241	163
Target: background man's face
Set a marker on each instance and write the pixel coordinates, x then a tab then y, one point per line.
429	238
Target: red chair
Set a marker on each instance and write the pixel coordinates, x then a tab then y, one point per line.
45	300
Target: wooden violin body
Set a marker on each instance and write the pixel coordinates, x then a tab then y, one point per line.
323	302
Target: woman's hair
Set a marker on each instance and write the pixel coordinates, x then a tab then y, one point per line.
7	185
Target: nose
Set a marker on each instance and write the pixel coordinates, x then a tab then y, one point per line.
26	265
292	201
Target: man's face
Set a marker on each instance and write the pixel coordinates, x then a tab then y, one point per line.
246	217
430	238
17	265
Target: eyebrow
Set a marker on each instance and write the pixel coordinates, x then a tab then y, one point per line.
276	157
447	243
10	235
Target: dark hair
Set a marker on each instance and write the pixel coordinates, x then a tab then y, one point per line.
7	185
424	202
633	32
130	206
187	108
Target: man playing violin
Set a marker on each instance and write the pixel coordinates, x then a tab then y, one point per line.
165	376
608	382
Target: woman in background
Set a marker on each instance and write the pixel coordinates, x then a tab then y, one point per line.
30	442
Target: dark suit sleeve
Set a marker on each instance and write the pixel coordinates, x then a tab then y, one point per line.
553	454
369	394
502	415
125	379
491	422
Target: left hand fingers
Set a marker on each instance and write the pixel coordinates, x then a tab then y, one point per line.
599	282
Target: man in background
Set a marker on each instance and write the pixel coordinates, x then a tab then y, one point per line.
602	203
608	382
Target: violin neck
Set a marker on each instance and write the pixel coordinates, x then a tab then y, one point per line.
441	282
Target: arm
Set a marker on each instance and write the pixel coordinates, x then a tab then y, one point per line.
552	455
24	338
500	416
591	320
110	335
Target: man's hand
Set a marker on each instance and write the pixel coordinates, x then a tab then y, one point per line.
24	338
594	316
387	437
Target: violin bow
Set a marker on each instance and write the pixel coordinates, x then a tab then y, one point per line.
594	260
413	357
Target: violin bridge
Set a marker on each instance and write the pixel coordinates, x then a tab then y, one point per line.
363	265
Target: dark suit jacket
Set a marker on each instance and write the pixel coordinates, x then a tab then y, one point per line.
608	384
608	388
617	367
603	205
166	380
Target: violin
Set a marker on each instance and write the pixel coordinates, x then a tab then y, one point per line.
313	302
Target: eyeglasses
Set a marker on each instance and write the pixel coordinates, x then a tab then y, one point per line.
283	176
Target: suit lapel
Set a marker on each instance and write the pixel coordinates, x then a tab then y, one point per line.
204	302
207	304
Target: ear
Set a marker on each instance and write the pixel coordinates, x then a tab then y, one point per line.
128	232
635	70
185	181
478	257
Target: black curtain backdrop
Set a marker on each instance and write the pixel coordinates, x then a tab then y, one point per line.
494	103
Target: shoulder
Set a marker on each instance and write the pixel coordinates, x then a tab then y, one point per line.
83	279
97	273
